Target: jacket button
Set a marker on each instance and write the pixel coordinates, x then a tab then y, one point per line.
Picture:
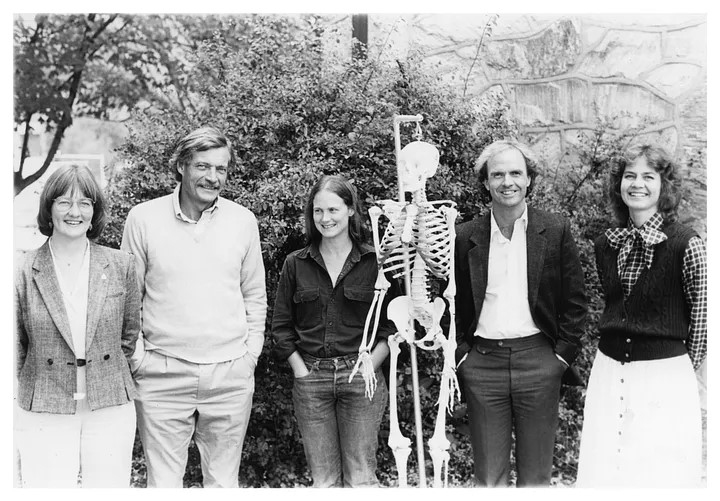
106	357
50	361
500	343
628	340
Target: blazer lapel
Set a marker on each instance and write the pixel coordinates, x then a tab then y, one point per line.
97	291
478	260
536	244
49	288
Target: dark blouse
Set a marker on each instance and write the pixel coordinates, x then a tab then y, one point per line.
315	318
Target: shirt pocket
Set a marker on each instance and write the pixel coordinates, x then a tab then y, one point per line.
307	307
357	305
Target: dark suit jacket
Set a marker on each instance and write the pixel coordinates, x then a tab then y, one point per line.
45	362
556	285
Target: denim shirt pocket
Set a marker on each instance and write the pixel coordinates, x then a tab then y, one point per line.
357	302
307	307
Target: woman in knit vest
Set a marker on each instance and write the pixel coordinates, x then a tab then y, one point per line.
642	424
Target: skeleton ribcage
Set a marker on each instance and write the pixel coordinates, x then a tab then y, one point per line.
431	238
392	252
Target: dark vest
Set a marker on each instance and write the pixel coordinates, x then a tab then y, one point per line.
653	322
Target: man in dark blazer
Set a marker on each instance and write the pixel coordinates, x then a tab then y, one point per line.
520	311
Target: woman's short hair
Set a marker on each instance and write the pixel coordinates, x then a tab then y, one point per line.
346	191
202	139
660	161
78	181
494	149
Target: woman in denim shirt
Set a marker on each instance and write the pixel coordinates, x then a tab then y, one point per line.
323	298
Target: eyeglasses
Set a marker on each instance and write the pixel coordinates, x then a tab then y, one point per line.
84	204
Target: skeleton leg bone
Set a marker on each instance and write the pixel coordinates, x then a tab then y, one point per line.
399	444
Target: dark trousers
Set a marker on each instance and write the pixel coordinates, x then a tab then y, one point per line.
512	383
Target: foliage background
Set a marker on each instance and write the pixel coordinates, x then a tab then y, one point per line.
296	110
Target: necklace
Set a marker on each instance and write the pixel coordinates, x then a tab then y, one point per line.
73	259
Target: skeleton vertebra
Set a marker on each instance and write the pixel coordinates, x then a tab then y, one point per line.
418	242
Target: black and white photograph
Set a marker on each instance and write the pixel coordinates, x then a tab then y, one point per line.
392	247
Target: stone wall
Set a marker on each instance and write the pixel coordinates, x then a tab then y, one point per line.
562	72
554	69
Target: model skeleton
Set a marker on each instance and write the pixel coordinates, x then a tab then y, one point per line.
418	242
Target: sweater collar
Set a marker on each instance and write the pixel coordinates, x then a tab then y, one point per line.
178	211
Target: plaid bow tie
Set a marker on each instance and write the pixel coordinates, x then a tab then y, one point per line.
623	240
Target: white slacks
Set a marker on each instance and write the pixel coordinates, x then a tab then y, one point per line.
58	449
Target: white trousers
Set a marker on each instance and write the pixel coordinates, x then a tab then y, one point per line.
95	447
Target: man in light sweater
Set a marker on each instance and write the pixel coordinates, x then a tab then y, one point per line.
202	281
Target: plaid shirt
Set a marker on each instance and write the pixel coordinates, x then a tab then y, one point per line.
635	251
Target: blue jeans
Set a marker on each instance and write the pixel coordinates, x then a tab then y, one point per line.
338	423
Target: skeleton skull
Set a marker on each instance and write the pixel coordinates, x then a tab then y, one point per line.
418	161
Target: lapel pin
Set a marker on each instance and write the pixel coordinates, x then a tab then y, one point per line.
103	277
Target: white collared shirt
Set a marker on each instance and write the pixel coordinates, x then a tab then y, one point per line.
75	298
506	312
201	224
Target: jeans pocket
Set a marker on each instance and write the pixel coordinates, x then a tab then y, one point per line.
310	368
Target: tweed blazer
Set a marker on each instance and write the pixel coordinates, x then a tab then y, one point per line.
46	366
556	284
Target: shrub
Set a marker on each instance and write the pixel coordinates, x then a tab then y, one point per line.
294	112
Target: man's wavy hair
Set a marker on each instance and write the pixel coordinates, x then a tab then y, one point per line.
202	139
346	191
660	161
494	149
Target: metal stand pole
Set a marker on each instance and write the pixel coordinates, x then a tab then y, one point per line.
397	120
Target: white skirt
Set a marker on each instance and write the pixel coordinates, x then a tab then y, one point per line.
642	425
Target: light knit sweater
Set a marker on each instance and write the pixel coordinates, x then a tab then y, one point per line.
202	283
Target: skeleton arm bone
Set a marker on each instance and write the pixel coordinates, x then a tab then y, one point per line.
364	362
449	295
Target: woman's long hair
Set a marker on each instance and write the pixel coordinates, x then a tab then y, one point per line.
346	191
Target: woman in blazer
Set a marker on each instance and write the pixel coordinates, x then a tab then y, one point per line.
77	317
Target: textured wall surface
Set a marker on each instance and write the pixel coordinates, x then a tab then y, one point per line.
560	73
